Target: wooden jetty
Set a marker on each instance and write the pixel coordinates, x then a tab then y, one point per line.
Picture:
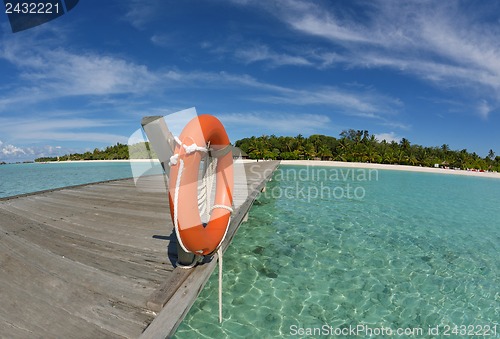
97	260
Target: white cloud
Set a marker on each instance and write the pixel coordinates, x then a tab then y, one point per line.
161	40
324	25
11	150
396	124
362	103
107	138
260	52
15	153
139	13
389	137
308	17
443	43
57	128
47	73
216	79
54	73
484	109
274	122
91	74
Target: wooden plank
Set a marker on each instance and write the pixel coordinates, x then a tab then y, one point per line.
172	314
89	225
42	294
94	252
161	296
69	282
77	273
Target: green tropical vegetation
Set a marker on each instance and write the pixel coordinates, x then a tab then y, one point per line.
116	152
361	146
352	146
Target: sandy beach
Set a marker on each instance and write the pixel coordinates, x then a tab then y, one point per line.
78	161
130	160
389	167
338	164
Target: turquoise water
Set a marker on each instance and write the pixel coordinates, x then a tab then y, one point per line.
26	178
404	250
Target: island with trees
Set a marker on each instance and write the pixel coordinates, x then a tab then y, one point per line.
361	146
351	146
117	152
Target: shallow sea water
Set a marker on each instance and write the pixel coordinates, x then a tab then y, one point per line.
403	250
18	179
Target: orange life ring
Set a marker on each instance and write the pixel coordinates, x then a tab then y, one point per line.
192	235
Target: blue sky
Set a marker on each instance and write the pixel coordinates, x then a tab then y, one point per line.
428	71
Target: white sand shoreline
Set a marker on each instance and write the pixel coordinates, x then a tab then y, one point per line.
111	161
90	161
327	164
389	167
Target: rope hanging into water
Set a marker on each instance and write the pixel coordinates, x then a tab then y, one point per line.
219	253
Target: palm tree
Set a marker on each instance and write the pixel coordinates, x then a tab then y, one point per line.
371	155
309	150
343	147
256	149
299	140
405	144
491	154
412	160
402	157
324	152
315	139
289	142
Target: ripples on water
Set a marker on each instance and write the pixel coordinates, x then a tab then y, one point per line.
416	251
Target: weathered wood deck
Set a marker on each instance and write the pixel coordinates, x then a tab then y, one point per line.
96	261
